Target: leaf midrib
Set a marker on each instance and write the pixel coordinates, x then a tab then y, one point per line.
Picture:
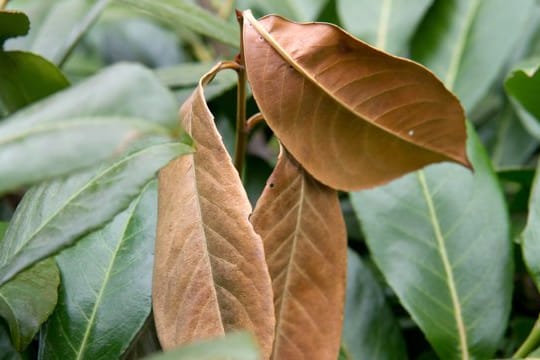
108	274
289	263
441	245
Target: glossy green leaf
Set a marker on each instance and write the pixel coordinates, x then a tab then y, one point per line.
370	330
386	24
531	235
28	299
455	40
184	14
435	235
53	215
106	281
523	87
234	346
26	78
12	24
58	27
71	145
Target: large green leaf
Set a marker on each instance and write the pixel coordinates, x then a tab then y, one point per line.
184	14
71	144
370	330
72	127
53	215
523	87
235	346
57	26
106	281
441	239
26	78
455	40
28	299
387	24
531	235
12	24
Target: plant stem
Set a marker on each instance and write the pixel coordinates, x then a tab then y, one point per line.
531	343
241	132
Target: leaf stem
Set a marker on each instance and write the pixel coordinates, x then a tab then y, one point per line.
241	130
253	121
531	343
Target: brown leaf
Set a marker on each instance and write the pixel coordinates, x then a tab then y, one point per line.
305	243
210	275
352	115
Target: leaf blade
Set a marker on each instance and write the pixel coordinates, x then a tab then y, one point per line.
213	255
306	254
324	80
90	305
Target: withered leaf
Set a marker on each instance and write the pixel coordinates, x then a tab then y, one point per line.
304	237
210	275
352	115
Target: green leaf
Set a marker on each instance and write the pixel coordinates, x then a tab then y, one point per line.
386	24
26	78
106	281
441	239
235	346
58	26
12	24
523	87
28	299
184	14
7	349
455	42
53	215
531	235
72	144
3	227
370	330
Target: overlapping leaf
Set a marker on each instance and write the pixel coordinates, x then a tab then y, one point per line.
364	117
304	237
386	24
209	276
27	301
55	214
106	281
434	235
461	52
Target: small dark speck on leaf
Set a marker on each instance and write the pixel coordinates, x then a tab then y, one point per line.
271	185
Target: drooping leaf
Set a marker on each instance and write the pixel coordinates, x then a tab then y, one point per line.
460	51
235	346
523	87
54	214
27	301
368	109
12	24
305	244
26	78
531	235
106	289
386	24
71	144
210	276
434	235
186	14
370	330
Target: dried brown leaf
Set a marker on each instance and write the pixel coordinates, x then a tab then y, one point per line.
210	275
305	242
352	115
